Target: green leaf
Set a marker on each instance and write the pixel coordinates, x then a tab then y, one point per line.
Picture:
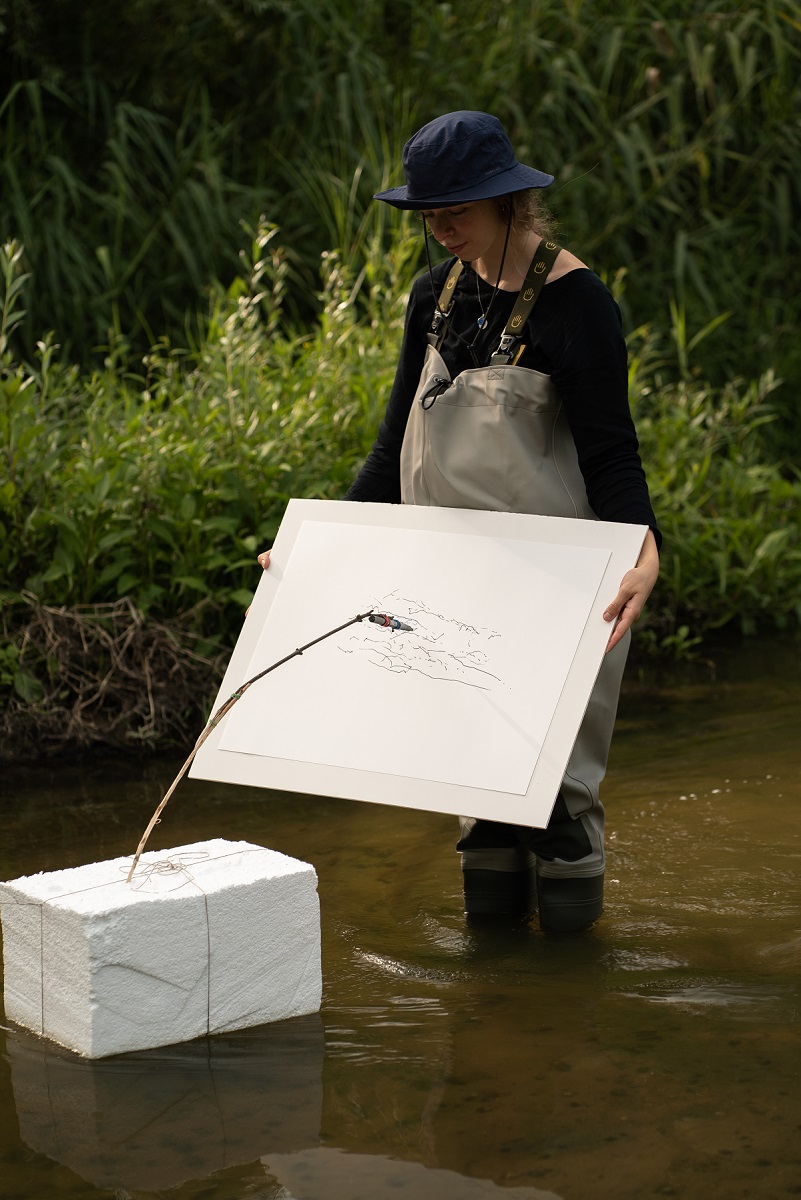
192	582
27	687
242	596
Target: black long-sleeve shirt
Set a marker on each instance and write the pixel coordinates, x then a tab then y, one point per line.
574	334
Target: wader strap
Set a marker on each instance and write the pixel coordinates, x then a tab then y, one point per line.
510	348
434	336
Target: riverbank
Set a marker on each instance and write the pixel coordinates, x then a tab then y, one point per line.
110	680
103	678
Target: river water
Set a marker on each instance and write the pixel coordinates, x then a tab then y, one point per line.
658	1054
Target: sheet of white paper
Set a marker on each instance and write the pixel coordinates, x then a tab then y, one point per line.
466	698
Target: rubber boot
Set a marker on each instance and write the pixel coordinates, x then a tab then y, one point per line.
568	904
498	872
499	892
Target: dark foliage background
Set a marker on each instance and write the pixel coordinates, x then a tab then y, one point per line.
137	135
201	306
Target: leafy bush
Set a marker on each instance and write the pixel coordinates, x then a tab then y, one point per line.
730	515
163	486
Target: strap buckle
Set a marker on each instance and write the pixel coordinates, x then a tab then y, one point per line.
434	337
503	354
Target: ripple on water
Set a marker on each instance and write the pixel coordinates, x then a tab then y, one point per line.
637	960
408	970
782	954
767	1001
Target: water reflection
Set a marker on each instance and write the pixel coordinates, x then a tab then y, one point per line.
158	1118
327	1174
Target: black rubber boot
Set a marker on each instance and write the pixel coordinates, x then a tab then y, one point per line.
499	892
567	905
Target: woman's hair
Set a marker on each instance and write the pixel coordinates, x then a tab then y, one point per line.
529	211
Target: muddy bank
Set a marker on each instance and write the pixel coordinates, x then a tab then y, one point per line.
100	678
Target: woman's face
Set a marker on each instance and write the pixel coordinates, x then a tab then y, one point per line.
470	231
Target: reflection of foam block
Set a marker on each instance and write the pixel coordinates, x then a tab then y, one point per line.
206	938
330	1174
156	1119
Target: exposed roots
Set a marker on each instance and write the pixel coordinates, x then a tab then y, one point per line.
103	676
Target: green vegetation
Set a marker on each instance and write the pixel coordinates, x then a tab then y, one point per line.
137	135
174	364
161	486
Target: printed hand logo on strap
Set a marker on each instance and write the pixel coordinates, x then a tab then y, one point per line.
436	334
508	351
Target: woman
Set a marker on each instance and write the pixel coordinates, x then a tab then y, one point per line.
512	394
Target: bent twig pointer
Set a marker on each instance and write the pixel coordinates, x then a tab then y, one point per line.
383	619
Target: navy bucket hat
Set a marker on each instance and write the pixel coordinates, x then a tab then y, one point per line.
459	157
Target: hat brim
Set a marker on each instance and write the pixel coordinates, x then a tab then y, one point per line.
516	179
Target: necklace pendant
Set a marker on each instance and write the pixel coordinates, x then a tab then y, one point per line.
481	322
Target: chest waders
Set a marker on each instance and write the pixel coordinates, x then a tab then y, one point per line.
497	437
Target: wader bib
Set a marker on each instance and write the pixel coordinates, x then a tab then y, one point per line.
497	437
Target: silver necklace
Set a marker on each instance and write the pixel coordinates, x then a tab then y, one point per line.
482	320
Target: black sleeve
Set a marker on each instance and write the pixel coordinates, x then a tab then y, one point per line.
379	478
590	372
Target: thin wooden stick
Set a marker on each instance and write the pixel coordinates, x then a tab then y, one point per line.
218	716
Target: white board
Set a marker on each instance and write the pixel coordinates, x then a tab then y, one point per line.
474	710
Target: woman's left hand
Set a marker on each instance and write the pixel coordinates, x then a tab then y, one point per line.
635	588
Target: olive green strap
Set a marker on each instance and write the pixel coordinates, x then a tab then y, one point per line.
435	337
508	348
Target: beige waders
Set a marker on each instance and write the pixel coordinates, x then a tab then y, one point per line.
498	438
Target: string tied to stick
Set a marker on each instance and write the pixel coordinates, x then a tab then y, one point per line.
386	621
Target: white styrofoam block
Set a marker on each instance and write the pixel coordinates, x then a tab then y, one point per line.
206	938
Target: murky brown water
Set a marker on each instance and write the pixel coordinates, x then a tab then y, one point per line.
657	1055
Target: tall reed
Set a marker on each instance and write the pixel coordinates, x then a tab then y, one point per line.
672	131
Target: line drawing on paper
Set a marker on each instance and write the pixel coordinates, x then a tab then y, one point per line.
440	647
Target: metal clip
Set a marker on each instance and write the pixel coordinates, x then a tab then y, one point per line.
504	352
434	337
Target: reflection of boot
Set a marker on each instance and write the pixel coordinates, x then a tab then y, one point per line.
568	904
499	891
